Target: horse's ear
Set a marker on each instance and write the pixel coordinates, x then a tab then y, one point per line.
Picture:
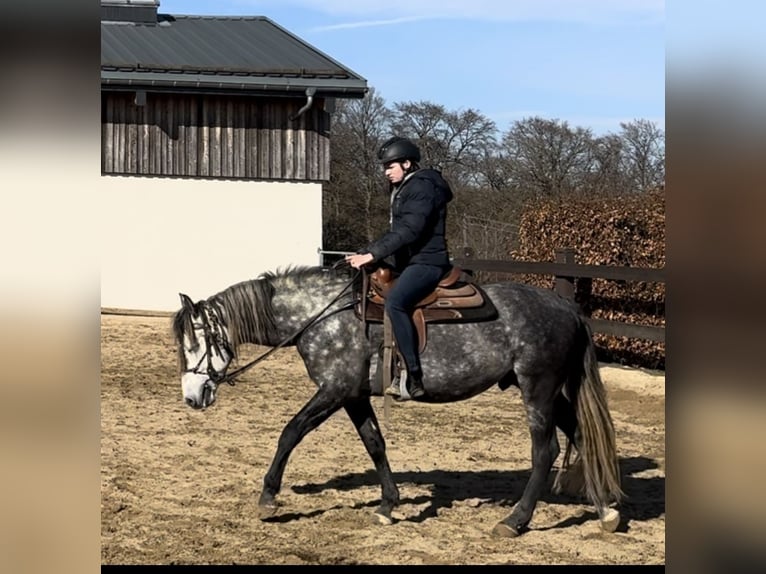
186	301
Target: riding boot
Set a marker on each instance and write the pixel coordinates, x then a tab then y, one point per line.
413	383
415	386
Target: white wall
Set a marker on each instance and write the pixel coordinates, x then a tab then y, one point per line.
162	236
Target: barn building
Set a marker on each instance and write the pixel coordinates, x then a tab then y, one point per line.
215	141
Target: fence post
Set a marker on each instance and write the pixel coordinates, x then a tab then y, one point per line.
562	284
467	253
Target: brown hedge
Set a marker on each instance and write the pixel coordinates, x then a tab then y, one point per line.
616	231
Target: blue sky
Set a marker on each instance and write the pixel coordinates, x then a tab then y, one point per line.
592	63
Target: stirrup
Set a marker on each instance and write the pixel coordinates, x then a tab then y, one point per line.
393	389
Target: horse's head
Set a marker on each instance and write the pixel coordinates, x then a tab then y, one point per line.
204	350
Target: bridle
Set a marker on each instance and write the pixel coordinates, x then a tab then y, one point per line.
214	343
214	339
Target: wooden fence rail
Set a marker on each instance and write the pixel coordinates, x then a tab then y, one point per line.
565	271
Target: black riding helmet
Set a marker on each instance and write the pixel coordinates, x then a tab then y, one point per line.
398	149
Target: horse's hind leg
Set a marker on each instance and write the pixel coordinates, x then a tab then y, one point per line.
510	379
565	417
319	408
363	416
538	396
569	479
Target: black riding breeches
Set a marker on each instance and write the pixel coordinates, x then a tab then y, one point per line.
415	282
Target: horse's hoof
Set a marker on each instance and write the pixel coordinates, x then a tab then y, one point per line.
266	511
503	530
610	520
383	519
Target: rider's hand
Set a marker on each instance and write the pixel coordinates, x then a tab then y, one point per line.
358	260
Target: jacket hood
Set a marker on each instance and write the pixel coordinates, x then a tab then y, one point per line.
436	178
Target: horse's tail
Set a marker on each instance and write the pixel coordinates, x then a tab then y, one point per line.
596	447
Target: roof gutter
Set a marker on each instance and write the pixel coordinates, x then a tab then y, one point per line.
152	81
310	99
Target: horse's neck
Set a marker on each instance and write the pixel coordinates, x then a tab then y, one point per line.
295	304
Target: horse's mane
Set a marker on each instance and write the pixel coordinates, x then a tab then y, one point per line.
247	306
248	310
301	273
296	272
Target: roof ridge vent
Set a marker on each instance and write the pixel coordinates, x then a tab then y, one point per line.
137	11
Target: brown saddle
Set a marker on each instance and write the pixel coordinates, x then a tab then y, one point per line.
455	299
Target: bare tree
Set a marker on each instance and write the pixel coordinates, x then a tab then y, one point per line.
493	170
471	137
547	157
606	176
452	141
355	198
643	154
424	123
491	179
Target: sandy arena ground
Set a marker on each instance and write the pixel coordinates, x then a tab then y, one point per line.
180	486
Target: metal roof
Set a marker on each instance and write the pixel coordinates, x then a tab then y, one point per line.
250	54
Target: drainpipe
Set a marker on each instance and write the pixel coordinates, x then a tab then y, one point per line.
310	95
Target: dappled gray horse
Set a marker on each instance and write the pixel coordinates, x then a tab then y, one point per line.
538	343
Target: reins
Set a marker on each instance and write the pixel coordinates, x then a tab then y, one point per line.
229	377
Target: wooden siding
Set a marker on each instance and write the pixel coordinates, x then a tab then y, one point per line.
214	136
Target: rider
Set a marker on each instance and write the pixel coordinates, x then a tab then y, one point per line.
416	240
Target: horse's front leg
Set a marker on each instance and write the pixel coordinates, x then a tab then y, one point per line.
320	407
363	416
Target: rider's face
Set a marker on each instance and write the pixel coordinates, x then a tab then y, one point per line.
395	170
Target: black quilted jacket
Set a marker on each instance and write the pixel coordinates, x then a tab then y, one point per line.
418	221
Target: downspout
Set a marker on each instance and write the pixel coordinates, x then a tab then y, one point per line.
310	95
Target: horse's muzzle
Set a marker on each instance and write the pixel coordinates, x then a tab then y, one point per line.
206	398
